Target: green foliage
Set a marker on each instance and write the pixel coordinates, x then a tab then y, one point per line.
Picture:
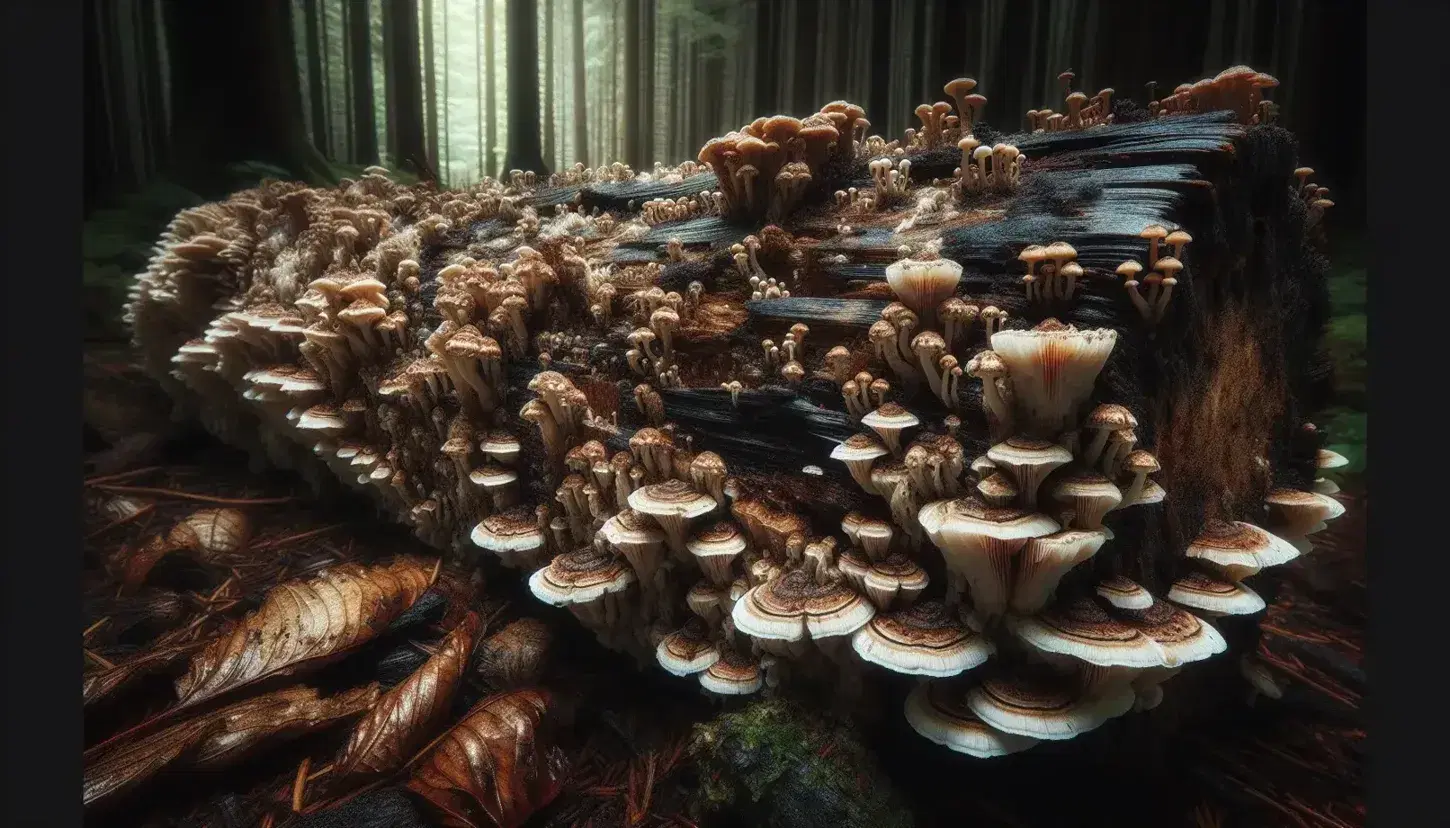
774	764
1346	422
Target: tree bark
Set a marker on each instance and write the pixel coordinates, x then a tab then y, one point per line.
430	86
349	126
152	89
365	130
235	80
633	144
581	114
409	145
483	30
549	81
804	54
525	150
445	159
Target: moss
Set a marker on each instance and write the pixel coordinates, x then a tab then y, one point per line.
772	763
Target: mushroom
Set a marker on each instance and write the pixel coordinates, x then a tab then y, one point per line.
998	490
1042	706
929	346
637	539
715	547
587	581
733	674
1124	593
1053	368
922	285
672	504
1079	631
1213	596
1129	271
938	712
874	537
1028	462
1090	495
515	536
1104	420
1140	464
979	544
858	452
1153	233
1239	549
794	606
1045	560
989	367
926	639
1295	514
497	482
889	420
688	650
895	581
1182	636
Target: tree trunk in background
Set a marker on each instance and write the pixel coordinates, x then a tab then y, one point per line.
490	87
549	81
647	93
581	111
102	177
612	154
153	91
316	81
878	97
632	143
348	149
235	83
483	31
445	170
525	151
430	87
804	53
409	144
360	42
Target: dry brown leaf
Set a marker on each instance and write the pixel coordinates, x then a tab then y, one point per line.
305	623
216	739
101	684
516	655
410	714
213	535
496	767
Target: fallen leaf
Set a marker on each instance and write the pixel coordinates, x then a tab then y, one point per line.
213	535
217	738
101	684
410	714
496	767
516	655
305	623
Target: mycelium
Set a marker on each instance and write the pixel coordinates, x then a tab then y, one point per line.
788	410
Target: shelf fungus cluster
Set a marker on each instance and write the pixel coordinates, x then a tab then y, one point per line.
786	415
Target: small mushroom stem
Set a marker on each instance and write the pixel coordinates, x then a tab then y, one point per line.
1138	301
1161	308
1136	489
1095	448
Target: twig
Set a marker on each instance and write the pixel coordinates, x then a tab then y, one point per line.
96	626
125	475
98	660
268	544
299	784
222	501
119	522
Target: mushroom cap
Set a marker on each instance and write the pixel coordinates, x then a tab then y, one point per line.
1081	629
853	564
500	442
733	674
1023	451
1327	459
1033	253
852	522
1061	250
512	531
1240	548
628	527
1178	237
938	712
581	576
859	447
1111	416
1124	593
792	605
1168	265
1154	231
959	87
998	486
1150	493
1083	483
897	572
1182	636
925	639
1043	706
719	538
1303	508
890	416
970	516
1130	269
490	476
1140	461
672	498
688	650
1202	591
